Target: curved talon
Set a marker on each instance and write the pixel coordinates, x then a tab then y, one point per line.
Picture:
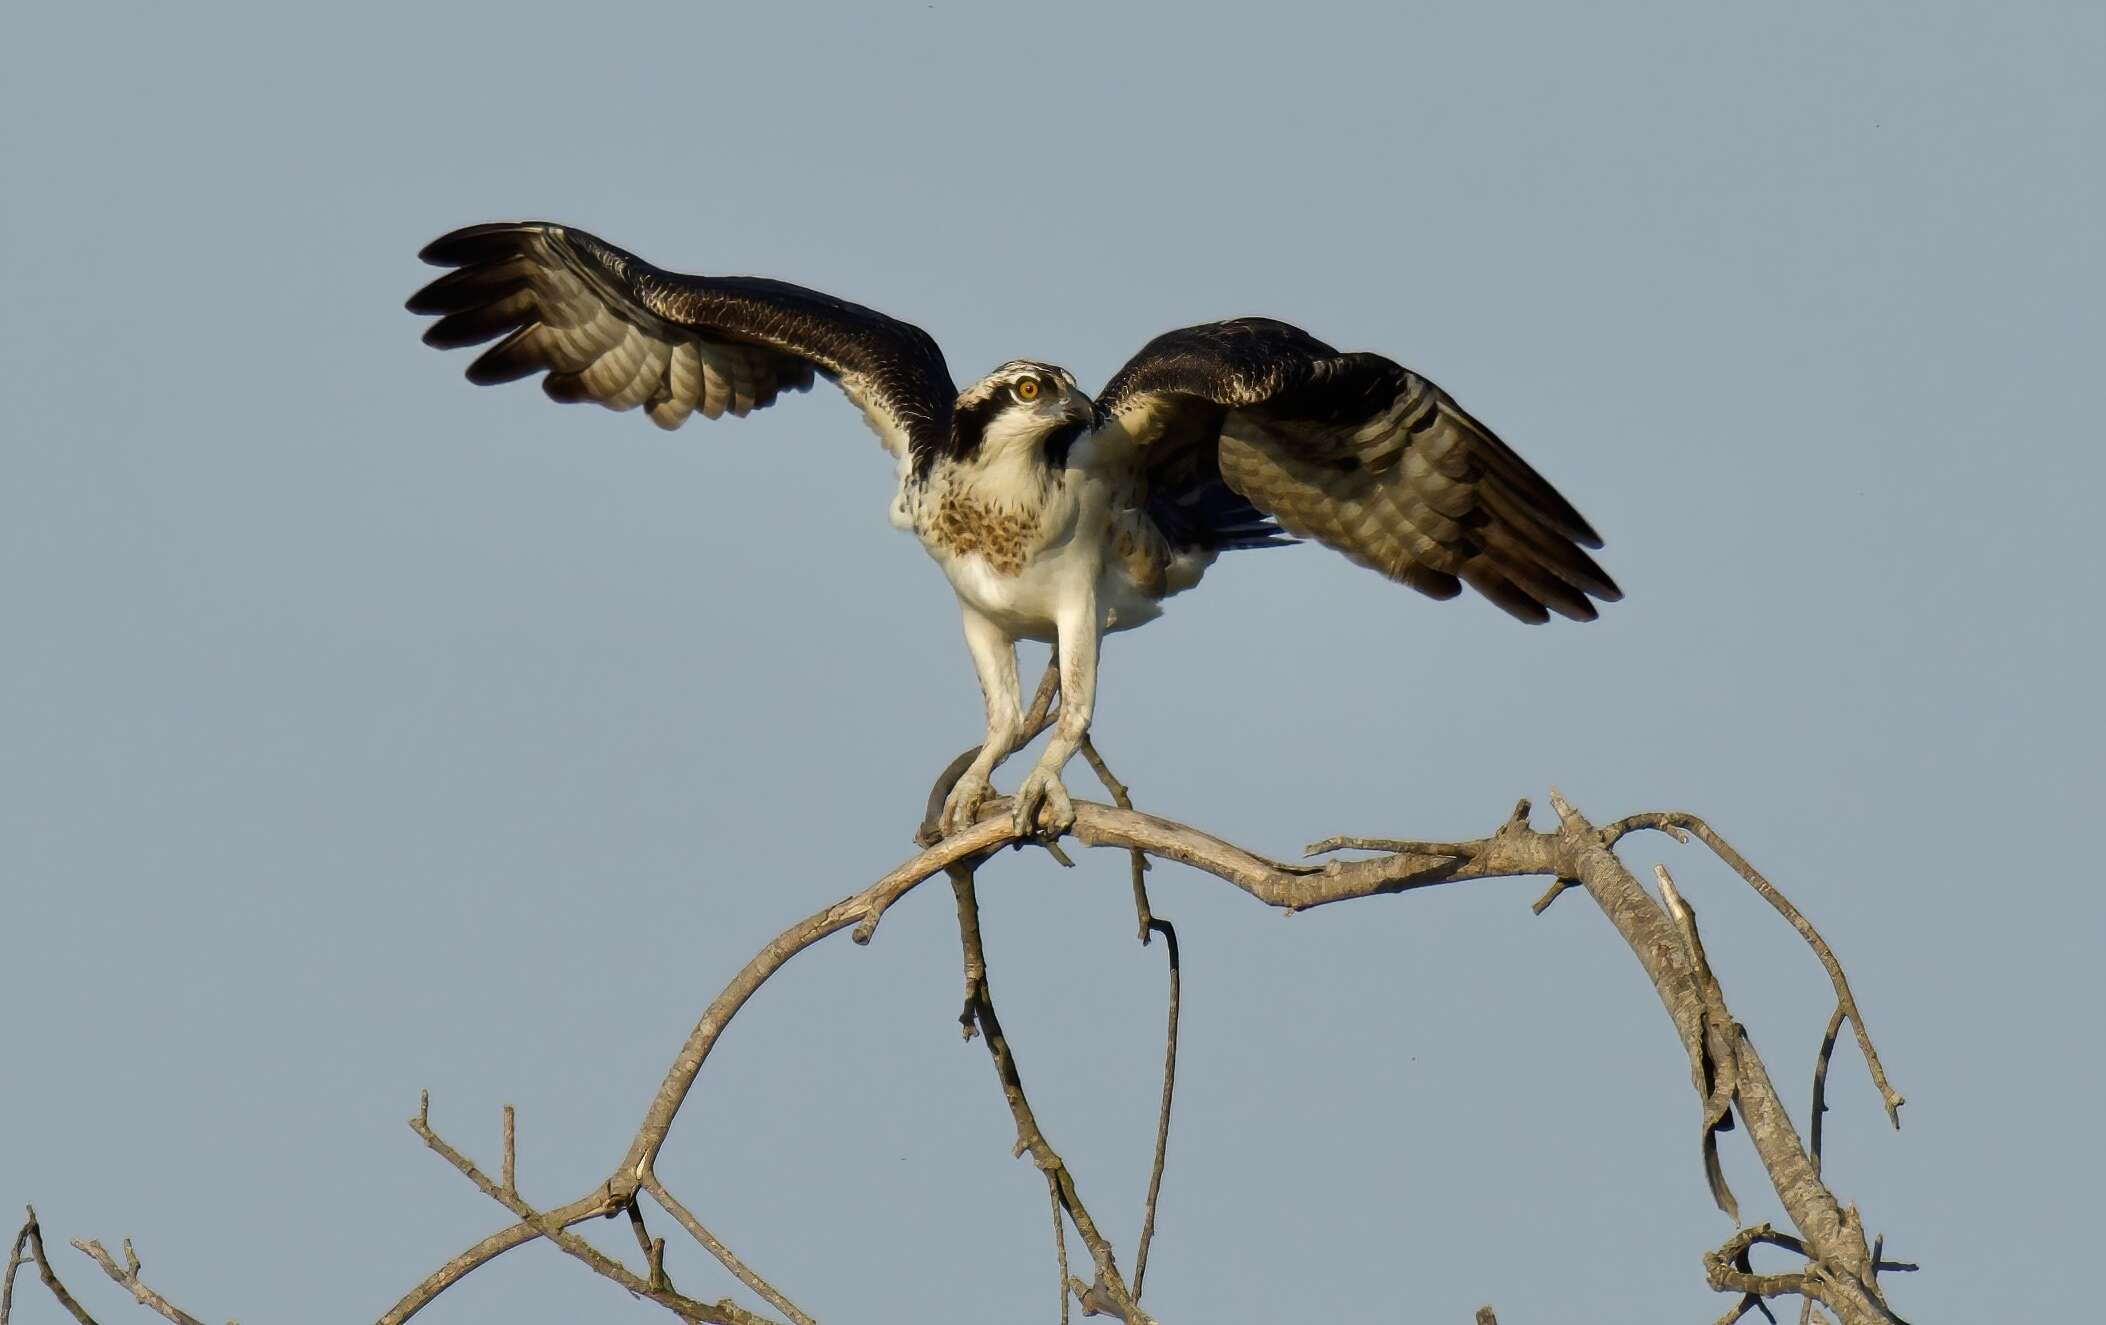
1042	806
962	807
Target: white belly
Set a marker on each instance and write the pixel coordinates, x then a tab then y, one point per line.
1069	559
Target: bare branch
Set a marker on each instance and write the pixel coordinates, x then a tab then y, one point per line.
15	1257
511	1159
724	1256
862	910
723	1312
1710	1041
1729	1075
1060	1247
1727	1269
1117	790
128	1279
32	1235
1675	822
1030	1138
1820	1084
1162	1119
489	1249
1148	926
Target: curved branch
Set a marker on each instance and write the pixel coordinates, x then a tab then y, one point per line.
723	1253
127	1278
1674	823
1576	854
32	1236
1030	1137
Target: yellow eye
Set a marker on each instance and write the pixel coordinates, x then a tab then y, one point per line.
1027	389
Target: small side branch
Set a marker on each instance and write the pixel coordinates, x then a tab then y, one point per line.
650	1285
1162	1120
1060	1249
1675	823
1148	926
16	1255
1729	1075
32	1237
738	1268
1729	1269
1820	1083
1713	1042
127	1278
1109	1289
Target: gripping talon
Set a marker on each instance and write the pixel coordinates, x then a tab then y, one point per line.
1042	806
961	809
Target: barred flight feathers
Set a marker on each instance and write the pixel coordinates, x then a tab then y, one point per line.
1362	455
609	328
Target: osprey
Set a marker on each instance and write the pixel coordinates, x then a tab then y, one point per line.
1055	517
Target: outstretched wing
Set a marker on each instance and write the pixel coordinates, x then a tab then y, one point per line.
1362	455
610	328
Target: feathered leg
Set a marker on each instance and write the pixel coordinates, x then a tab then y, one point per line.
994	658
1080	630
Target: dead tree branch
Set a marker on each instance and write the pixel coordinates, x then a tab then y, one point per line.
127	1278
650	1285
1149	925
1675	823
1109	1286
1727	1070
1839	1271
32	1237
1162	1118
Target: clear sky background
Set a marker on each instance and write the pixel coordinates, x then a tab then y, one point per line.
363	731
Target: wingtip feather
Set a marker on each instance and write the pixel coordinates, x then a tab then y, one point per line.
506	361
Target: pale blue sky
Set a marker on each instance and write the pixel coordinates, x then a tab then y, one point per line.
363	731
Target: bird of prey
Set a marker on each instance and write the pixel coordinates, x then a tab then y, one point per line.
1054	516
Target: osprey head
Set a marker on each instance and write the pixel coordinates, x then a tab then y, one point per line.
1023	405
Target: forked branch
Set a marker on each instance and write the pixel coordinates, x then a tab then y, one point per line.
1840	1270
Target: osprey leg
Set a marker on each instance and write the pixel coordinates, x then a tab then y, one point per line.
1080	630
994	658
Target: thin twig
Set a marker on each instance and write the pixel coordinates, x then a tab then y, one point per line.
652	1248
1030	1138
1820	1084
511	1163
1124	800
1060	1247
860	911
1390	845
33	1234
128	1279
1162	1118
1149	926
1671	821
738	1268
724	1312
1551	894
1839	1255
1711	1043
1727	1269
16	1256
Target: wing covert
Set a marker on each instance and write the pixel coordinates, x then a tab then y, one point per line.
1362	455
610	328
